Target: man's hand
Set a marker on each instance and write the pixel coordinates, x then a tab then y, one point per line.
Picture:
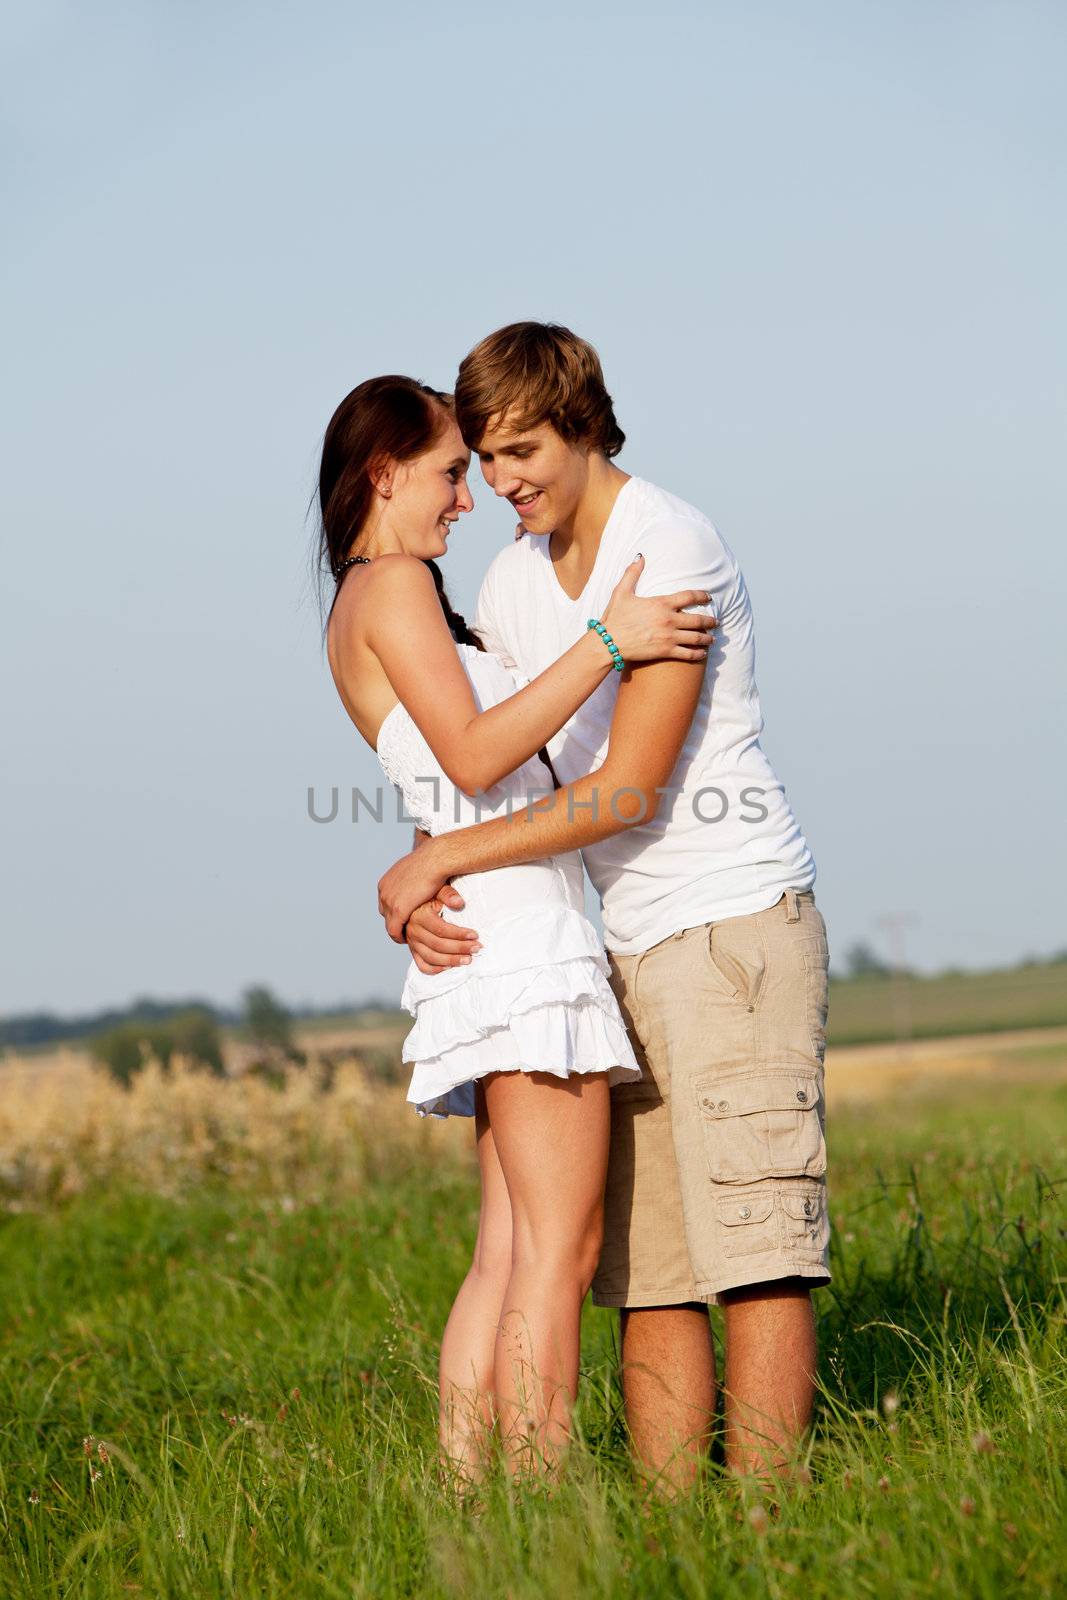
436	944
409	882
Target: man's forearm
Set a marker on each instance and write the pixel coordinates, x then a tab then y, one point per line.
649	725
648	731
592	808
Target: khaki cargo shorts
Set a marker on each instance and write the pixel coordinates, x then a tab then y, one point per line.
717	1171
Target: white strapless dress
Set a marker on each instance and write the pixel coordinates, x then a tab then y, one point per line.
536	998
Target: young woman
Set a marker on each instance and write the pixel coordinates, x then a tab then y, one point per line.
526	1035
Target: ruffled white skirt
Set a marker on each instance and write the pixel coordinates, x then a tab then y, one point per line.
535	999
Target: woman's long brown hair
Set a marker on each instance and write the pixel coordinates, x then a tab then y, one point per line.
391	416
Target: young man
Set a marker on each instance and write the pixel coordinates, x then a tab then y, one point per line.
717	1181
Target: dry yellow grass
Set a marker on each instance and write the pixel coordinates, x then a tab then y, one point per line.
65	1125
861	1073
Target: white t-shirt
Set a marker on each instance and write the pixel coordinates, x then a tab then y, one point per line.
724	842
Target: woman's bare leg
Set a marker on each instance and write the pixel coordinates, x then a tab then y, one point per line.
551	1137
469	1343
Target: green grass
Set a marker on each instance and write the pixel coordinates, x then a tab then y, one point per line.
865	1010
260	1370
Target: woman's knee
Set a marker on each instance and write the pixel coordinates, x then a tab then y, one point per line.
562	1250
491	1263
592	1245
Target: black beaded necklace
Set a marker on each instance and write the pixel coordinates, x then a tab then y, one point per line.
337	571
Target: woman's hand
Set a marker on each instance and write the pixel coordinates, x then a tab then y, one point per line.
655	627
435	943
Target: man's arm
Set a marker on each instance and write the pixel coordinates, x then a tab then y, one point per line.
653	710
453	945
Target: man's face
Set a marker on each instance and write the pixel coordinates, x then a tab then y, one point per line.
538	471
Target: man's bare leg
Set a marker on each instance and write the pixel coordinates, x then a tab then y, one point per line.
668	1384
770	1375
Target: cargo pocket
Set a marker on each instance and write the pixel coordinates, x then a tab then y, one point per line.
748	1224
806	1224
767	1124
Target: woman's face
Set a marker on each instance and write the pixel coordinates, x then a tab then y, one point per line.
429	493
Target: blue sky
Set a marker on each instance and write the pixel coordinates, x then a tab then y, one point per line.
821	250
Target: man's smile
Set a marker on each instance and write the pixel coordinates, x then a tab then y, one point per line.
526	503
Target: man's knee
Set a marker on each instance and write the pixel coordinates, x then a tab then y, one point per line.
788	1288
670	1341
654	1316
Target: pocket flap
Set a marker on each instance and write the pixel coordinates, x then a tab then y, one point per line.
801	1207
783	1088
745	1209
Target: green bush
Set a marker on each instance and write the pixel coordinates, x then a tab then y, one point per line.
267	1022
120	1052
124	1050
196	1034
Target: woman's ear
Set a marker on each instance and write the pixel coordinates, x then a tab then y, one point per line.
381	473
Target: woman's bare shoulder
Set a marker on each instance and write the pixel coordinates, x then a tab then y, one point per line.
397	569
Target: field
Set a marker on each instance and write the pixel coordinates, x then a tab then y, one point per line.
222	1301
867	1009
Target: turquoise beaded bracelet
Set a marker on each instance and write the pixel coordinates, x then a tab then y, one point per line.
599	627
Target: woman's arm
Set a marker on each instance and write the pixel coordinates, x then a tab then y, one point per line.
477	749
652	716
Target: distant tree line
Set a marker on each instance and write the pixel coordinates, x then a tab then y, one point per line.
861	961
264	1029
35	1028
125	1037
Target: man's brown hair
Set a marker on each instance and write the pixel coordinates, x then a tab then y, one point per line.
547	374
